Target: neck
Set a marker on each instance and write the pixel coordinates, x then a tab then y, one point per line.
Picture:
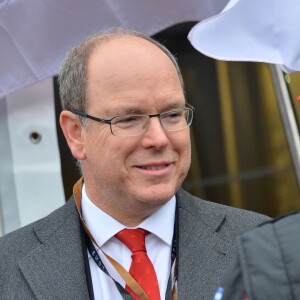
128	216
128	211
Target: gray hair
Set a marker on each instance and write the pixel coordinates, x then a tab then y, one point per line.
73	72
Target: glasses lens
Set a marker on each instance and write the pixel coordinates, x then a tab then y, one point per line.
134	125
176	119
131	125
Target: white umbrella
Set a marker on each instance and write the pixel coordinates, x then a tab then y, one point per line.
35	34
260	31
253	30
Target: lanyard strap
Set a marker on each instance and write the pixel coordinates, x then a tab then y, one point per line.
130	281
93	252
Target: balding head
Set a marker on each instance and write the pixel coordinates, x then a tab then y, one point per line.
73	73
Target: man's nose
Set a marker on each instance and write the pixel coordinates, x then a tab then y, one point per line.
155	135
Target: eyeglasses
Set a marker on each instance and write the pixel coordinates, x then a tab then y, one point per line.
135	125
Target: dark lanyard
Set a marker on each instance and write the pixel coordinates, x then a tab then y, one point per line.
94	254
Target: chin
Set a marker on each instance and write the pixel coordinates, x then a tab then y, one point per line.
158	195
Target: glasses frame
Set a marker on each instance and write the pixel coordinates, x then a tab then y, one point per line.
109	121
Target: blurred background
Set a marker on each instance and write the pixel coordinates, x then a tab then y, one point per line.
240	153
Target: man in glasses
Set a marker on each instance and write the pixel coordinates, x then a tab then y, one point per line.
129	231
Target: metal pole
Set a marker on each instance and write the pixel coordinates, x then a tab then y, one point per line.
288	117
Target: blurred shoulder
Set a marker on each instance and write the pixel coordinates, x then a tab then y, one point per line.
237	219
286	225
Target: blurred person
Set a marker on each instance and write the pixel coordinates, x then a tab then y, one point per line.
267	263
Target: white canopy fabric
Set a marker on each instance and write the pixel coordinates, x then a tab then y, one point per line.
36	34
252	30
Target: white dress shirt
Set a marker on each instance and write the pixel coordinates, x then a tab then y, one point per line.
158	244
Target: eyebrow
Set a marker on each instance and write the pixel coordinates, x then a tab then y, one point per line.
121	111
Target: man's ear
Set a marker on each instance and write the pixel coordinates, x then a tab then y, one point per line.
73	132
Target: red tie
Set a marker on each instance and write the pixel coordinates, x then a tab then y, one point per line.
141	268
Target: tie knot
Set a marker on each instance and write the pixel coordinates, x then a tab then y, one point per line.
134	239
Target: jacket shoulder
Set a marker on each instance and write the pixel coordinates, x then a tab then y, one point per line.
237	220
22	240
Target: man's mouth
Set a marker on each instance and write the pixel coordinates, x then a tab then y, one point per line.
160	167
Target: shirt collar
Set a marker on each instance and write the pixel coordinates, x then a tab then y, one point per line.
161	223
103	227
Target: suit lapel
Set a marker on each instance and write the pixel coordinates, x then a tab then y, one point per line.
201	247
55	269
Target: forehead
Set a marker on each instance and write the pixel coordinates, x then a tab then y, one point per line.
113	56
124	46
130	68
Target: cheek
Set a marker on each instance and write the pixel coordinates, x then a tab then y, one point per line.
183	146
185	154
110	153
186	161
96	147
98	138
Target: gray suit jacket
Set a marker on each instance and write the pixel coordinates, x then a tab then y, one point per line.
44	260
